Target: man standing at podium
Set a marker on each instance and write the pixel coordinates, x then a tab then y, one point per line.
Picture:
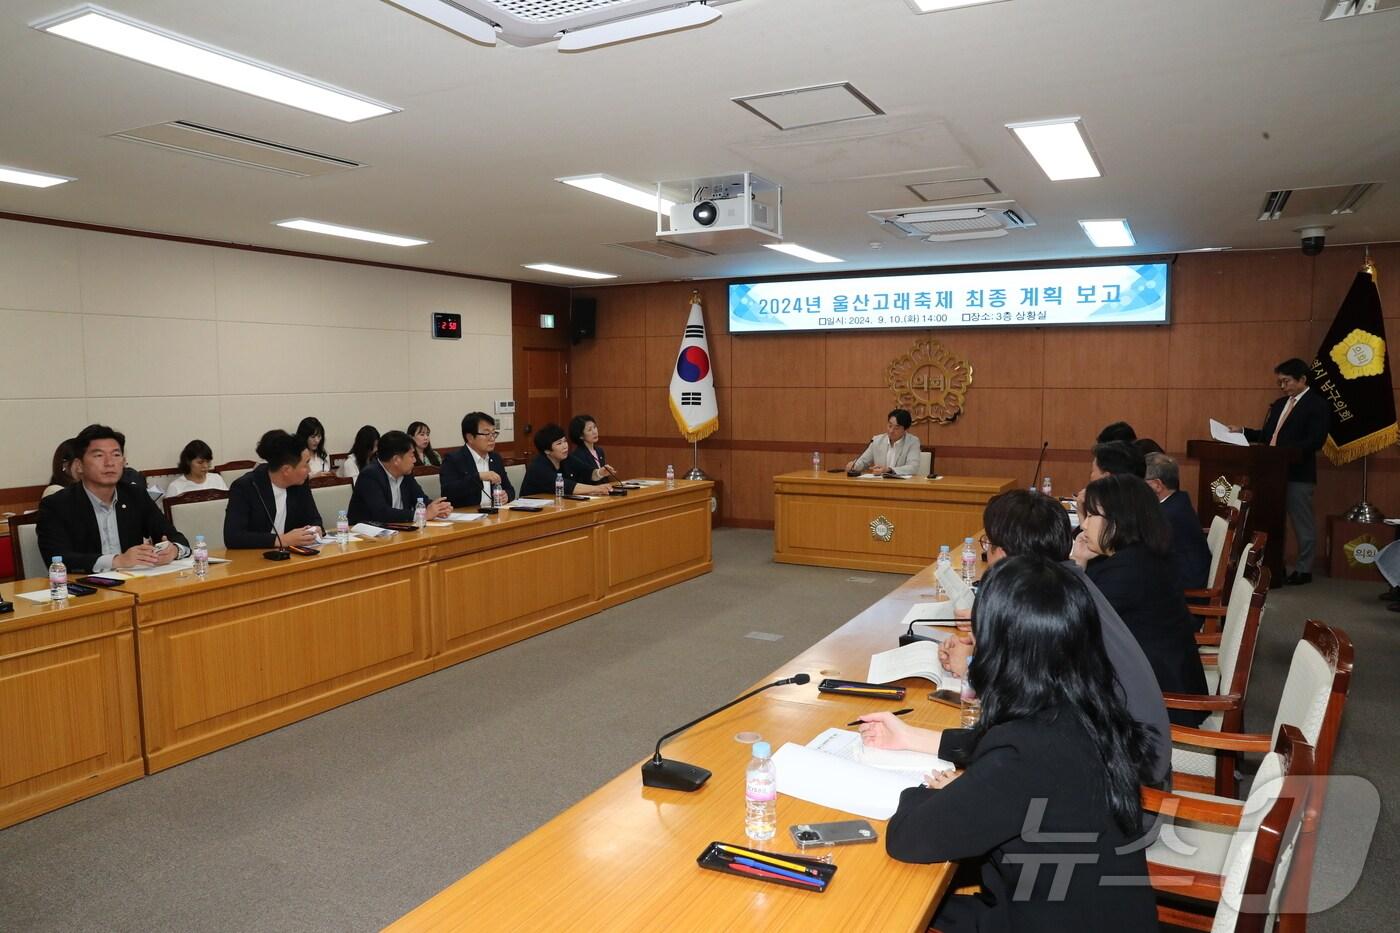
895	451
1299	419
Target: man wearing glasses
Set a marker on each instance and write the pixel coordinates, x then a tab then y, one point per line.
1298	418
468	472
895	451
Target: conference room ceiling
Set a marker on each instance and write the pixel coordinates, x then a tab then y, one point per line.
1196	110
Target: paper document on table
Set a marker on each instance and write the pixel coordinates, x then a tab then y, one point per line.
940	613
826	772
868	476
1222	433
531	504
919	659
330	539
372	531
846	743
439	524
111	575
959	592
645	482
42	596
465	516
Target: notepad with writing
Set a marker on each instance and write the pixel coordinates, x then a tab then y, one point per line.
836	770
919	659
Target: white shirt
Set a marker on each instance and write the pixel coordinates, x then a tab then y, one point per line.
279	509
395	490
319	463
348	468
483	465
903	456
181	485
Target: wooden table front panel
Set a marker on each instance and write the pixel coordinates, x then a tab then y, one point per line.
69	719
826	521
655	549
262	648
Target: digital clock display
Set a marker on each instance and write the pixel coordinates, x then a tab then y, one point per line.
447	326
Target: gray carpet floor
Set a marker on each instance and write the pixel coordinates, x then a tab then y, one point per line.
349	819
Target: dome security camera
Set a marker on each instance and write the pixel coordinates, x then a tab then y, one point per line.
1313	239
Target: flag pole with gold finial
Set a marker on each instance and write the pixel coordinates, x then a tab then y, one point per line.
1364	511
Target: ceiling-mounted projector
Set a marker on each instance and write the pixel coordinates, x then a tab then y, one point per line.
720	213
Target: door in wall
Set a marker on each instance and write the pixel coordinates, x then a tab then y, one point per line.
546	396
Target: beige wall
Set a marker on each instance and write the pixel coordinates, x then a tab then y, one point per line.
169	341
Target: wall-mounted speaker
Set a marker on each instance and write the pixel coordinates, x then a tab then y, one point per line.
583	319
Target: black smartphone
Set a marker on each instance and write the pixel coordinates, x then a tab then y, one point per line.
6	607
577	498
99	581
844	832
77	589
526	508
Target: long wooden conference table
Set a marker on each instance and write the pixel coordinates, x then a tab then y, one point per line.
868	523
126	682
624	857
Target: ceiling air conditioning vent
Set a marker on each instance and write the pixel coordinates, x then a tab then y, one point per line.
1296	203
224	146
532	22
968	221
1345	9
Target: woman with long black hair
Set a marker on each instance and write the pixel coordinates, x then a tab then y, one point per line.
423	452
313	433
366	443
1125	547
1049	794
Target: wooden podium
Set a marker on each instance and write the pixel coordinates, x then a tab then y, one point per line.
1262	469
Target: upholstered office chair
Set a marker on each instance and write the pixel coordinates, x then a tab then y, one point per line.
428	478
199	513
1224	866
24	538
332	494
1228	678
1221	540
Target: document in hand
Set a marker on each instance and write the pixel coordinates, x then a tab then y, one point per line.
1222	433
919	659
959	593
837	770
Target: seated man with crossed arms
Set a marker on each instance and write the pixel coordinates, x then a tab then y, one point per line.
895	451
386	490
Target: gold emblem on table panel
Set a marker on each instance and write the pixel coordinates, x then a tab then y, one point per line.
930	382
882	529
1359	354
1361	551
1220	490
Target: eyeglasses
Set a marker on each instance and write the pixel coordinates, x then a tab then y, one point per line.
986	544
492	434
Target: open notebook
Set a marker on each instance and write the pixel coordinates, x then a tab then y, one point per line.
837	770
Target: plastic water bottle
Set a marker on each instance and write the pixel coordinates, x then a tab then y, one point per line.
670	476
760	794
58	580
969	561
816	461
201	557
498	496
420	514
558	490
342	528
1045	487
945	560
969	704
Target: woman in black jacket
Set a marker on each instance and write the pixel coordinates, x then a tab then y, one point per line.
1049	797
553	449
588	463
1124	545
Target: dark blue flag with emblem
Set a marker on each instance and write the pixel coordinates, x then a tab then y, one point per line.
1352	371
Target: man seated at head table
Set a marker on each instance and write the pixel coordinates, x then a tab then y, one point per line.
102	523
895	451
469	471
1023	522
386	490
1190	552
271	506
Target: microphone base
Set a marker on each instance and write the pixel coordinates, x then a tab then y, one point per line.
276	555
673	775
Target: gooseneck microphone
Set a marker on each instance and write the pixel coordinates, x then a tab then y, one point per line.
677	775
1035	477
281	552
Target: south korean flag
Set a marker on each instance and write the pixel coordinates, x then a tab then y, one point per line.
693	401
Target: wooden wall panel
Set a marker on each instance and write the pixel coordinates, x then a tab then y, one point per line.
611	361
781	396
620	411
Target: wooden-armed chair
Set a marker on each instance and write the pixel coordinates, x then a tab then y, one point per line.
1228	679
24	544
234	469
200	512
1251	558
1221	541
1224	866
1244	535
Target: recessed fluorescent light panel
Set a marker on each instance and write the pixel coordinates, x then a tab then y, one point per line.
1106	234
619	190
802	252
1060	146
933	6
19	176
352	233
568	270
103	30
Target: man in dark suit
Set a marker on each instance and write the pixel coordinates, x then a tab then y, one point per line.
1300	419
386	491
468	472
1190	552
102	523
272	506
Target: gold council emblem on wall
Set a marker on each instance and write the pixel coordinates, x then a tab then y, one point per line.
930	382
882	529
